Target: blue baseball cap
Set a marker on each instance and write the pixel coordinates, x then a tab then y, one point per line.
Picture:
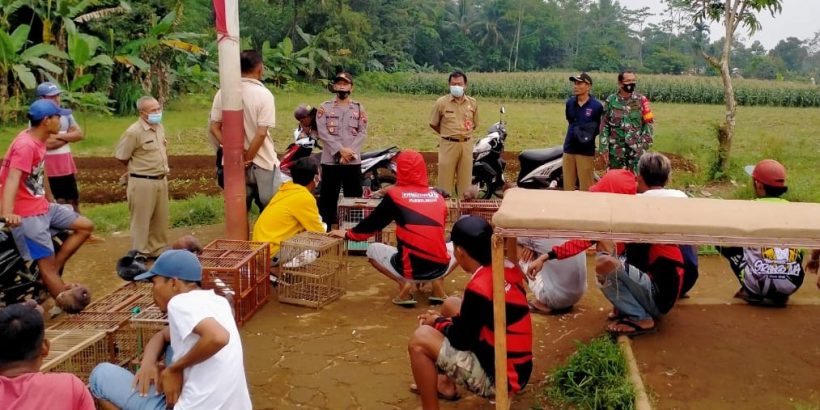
45	108
48	89
175	263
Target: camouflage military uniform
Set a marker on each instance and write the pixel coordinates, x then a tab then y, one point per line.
628	127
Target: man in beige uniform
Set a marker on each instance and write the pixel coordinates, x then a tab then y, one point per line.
454	118
142	149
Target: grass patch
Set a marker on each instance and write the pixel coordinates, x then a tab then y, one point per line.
594	377
197	210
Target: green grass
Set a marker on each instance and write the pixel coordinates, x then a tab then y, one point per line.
594	377
786	134
197	210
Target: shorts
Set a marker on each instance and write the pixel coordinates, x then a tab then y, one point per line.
33	236
388	257
64	188
463	367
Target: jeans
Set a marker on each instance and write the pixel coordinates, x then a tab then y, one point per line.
630	291
112	383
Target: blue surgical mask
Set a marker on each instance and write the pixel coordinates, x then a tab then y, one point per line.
155	117
456	91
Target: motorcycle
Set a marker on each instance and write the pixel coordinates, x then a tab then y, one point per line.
541	168
488	164
301	147
19	279
378	170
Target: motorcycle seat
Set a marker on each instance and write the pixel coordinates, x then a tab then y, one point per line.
541	155
371	154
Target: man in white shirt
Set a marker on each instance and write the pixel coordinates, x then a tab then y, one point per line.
262	178
207	370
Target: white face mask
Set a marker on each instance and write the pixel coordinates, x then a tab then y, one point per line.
456	91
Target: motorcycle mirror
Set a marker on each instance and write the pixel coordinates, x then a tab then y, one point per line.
502	110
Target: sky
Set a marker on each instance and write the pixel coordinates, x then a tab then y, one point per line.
799	18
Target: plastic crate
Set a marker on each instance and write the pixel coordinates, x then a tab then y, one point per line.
311	267
240	267
122	346
484	208
125	299
75	351
145	324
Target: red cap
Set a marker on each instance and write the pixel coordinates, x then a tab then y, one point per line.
616	181
768	172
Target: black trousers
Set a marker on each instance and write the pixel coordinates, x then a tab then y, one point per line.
334	178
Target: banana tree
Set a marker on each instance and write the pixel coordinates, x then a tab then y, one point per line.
159	46
22	62
83	54
66	12
7	8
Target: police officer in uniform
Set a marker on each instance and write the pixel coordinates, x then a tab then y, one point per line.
142	149
342	126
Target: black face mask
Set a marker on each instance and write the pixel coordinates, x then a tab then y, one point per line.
342	94
629	87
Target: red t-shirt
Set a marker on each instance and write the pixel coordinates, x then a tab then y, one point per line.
27	154
36	391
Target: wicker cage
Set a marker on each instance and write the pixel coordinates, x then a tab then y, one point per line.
75	351
125	299
145	324
311	266
122	346
484	208
240	268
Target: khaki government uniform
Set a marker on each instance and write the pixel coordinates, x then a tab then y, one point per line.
144	149
456	119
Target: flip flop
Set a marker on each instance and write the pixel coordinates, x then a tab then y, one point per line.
636	329
435	300
455	397
407	303
536	309
615	316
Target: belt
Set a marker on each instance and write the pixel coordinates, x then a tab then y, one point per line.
451	139
147	176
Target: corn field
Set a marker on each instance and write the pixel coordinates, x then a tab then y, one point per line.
556	86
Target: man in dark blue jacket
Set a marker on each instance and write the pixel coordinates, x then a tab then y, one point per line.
584	117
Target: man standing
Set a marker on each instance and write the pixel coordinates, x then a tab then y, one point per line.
27	204
207	370
259	115
628	125
583	114
142	150
342	126
454	118
60	166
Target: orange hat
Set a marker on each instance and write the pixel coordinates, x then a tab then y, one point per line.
616	181
768	172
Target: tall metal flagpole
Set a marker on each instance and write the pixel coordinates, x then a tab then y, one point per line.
228	40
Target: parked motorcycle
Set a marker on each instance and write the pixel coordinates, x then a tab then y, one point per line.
377	169
301	147
488	164
20	280
541	168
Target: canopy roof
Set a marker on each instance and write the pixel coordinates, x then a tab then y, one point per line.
526	212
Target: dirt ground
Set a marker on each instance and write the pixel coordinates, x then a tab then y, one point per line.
99	177
710	352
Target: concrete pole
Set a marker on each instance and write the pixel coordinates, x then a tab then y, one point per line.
227	24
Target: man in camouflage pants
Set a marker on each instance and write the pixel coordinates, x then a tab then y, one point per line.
628	125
